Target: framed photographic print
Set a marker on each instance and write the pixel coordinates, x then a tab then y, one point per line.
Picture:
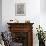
20	9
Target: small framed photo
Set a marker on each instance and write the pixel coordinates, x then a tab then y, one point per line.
20	9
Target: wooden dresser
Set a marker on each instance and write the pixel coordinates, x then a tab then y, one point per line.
22	33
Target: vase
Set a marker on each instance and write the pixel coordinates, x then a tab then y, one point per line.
41	43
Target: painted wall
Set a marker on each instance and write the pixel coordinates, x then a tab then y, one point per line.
0	15
33	13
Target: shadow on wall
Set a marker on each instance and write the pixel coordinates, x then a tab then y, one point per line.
43	6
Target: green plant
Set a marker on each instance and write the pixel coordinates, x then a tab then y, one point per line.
40	34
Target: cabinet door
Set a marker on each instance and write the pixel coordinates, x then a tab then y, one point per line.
20	37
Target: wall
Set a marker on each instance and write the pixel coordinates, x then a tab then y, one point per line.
0	14
33	13
43	14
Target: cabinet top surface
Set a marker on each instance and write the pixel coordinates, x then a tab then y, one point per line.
19	23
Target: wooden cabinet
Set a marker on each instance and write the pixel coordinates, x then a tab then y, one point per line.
22	33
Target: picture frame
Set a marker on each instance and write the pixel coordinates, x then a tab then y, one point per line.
20	9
